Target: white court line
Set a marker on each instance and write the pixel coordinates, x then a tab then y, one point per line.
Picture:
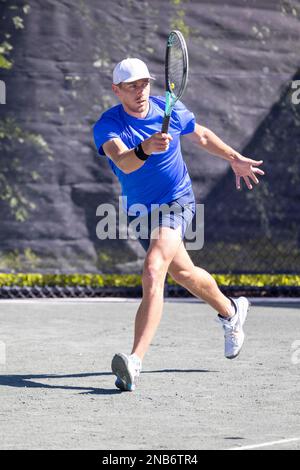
254	300
70	300
97	300
266	444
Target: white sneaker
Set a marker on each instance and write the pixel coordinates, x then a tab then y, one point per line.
127	369
233	328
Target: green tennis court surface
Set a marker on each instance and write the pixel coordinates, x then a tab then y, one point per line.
57	391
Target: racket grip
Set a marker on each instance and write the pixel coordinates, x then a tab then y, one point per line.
165	125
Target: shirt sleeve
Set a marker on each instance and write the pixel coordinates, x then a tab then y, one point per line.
185	117
105	129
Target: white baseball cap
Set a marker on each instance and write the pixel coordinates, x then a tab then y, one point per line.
129	70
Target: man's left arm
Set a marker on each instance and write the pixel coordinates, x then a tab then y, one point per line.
243	167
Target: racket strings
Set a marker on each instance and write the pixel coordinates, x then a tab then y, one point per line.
176	67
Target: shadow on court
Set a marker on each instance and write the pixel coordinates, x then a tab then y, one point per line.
29	381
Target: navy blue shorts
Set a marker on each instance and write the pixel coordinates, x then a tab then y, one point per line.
177	213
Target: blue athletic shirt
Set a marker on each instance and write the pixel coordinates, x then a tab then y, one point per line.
164	176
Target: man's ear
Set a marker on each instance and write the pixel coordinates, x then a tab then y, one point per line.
115	89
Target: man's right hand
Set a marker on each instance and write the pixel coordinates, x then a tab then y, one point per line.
158	142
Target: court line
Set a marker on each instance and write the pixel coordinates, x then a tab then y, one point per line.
266	444
254	300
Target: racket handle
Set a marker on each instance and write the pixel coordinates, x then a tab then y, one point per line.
165	125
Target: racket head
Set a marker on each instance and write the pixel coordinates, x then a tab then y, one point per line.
176	65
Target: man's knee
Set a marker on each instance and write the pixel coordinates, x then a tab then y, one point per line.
154	273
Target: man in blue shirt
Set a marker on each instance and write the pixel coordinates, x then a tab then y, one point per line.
152	172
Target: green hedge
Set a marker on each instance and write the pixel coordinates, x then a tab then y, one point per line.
133	280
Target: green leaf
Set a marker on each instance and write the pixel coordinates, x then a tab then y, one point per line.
4	63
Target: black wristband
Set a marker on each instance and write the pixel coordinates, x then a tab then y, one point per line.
138	150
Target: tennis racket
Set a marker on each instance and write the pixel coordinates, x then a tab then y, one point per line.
176	73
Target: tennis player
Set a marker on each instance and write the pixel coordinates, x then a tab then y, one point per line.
151	171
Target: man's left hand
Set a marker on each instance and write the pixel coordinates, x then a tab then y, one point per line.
246	168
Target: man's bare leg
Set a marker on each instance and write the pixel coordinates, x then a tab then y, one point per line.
199	282
159	255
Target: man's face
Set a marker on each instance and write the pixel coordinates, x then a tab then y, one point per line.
134	95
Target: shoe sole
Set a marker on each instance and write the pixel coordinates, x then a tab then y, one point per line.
236	355
233	357
119	368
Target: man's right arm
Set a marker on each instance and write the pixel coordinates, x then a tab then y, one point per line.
123	158
126	159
